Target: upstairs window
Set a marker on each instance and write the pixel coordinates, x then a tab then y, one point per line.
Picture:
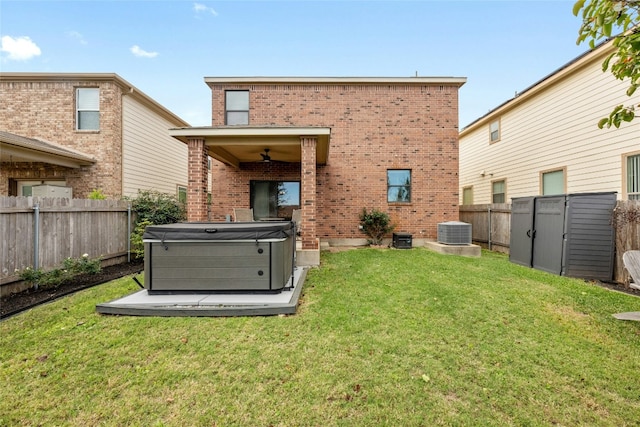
88	109
632	177
499	191
398	185
237	107
494	131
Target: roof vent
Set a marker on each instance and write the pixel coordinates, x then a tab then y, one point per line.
454	233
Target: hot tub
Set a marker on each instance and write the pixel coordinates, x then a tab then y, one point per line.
219	257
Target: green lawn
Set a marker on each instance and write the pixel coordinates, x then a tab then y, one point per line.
381	337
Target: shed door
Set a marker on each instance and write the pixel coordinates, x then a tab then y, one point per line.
549	233
520	244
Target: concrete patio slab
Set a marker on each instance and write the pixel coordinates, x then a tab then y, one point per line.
460	250
142	303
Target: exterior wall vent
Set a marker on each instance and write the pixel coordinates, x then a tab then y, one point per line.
454	233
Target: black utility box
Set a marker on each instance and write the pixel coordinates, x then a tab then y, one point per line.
402	240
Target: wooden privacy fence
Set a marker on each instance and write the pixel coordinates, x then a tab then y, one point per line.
42	232
491	228
490	225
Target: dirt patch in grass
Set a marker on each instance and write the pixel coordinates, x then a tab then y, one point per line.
15	303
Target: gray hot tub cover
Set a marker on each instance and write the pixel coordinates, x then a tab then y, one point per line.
219	231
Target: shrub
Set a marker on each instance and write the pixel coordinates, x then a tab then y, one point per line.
71	267
375	224
137	245
158	208
97	194
152	207
83	265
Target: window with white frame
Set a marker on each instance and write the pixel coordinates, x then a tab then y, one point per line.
553	182
632	177
494	131
237	107
398	185
499	191
87	108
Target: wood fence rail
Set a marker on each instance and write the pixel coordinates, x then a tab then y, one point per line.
491	228
65	228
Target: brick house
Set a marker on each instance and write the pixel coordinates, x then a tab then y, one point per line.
331	147
86	131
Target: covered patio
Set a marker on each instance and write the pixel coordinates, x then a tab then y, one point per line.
241	147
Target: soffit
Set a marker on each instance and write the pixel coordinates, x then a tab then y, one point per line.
16	148
233	145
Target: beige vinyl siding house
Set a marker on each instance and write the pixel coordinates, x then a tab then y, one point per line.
144	137
548	139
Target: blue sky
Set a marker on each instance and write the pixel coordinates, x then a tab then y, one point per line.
166	48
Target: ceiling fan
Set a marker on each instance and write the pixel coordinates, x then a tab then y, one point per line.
265	156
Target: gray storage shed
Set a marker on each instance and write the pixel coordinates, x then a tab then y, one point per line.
568	234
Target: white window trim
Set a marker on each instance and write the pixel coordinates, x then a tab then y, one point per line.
78	110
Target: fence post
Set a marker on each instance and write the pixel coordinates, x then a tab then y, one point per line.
489	228
36	236
129	233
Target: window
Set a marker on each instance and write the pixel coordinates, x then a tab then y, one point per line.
632	177
499	191
237	107
467	196
274	199
182	194
553	182
494	131
88	109
398	185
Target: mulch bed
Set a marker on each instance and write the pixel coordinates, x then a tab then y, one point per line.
16	303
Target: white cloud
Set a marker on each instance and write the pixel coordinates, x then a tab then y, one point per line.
19	48
137	51
77	36
199	7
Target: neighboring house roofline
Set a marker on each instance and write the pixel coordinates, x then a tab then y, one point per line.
32	149
456	81
562	73
127	88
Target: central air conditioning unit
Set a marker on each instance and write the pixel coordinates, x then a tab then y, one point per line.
454	233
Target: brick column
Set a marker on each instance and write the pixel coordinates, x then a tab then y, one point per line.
197	189
308	192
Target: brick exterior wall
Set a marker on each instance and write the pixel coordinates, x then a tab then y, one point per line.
45	110
197	187
374	127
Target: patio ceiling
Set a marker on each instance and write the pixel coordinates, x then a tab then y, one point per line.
16	148
233	145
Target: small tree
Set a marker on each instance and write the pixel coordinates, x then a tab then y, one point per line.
600	20
375	224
